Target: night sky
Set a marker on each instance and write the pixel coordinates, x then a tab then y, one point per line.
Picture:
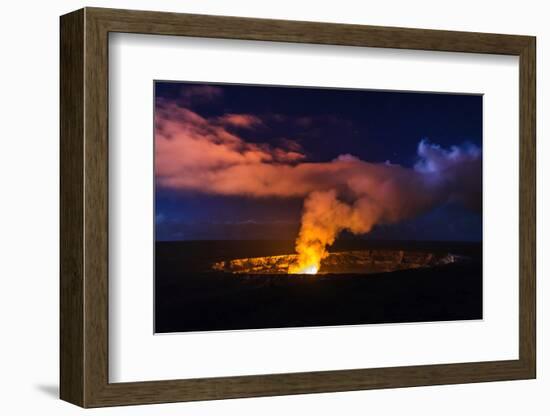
318	125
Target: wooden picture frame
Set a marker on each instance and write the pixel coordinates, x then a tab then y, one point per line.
84	207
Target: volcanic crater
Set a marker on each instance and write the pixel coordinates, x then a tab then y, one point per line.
346	262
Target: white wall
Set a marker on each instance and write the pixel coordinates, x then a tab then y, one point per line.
29	209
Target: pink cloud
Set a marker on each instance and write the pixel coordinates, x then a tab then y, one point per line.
245	121
190	149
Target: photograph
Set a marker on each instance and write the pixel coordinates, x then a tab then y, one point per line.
279	203
282	206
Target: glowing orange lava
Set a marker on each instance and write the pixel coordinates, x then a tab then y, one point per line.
313	269
310	254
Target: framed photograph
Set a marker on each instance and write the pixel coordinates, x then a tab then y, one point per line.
255	207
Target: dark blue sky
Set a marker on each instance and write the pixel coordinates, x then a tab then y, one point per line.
375	126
